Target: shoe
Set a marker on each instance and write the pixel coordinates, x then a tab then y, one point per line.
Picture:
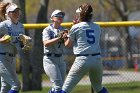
104	90
13	91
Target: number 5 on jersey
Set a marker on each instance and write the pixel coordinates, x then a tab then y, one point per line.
91	37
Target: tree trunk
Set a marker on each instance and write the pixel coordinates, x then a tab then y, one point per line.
25	55
37	54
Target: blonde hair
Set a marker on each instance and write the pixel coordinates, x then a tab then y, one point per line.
3	7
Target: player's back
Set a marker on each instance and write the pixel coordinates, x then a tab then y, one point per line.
87	38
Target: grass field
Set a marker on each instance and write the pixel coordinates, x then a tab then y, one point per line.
131	87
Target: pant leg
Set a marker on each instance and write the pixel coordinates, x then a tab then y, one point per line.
5	87
96	73
62	67
76	73
8	72
52	69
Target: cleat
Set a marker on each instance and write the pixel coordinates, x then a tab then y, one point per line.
104	90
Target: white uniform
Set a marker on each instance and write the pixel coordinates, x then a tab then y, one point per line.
53	60
86	38
7	55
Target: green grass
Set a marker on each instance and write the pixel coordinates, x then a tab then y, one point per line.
78	89
131	87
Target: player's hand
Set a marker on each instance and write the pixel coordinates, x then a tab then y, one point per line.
66	31
62	34
75	20
65	34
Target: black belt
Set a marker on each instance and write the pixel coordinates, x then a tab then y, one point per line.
9	54
53	54
88	54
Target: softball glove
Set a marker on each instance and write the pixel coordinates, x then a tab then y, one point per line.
26	42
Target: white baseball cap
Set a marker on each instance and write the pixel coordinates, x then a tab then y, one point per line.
58	13
11	8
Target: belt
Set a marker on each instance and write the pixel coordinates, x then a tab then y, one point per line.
9	54
53	54
88	54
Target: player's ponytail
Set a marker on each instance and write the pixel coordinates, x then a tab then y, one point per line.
3	7
86	12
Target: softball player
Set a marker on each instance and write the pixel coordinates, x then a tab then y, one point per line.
53	61
8	49
85	37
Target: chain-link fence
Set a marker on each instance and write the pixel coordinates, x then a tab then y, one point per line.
120	51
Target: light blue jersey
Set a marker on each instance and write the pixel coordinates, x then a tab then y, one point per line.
13	30
85	37
50	33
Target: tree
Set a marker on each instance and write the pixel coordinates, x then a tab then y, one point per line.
25	55
37	54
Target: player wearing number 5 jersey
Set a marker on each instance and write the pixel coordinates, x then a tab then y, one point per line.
85	38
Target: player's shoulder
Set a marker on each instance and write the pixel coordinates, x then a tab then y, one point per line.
4	22
20	23
62	28
76	26
95	24
47	29
3	29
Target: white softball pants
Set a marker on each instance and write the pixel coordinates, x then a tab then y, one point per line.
55	68
9	78
81	66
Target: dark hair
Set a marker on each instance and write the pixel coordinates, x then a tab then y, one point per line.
3	7
86	12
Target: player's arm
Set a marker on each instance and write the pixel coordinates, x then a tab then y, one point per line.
50	41
68	42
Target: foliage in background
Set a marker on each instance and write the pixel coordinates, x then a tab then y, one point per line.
102	11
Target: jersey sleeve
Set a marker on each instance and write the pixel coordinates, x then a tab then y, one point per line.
3	29
46	34
72	33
